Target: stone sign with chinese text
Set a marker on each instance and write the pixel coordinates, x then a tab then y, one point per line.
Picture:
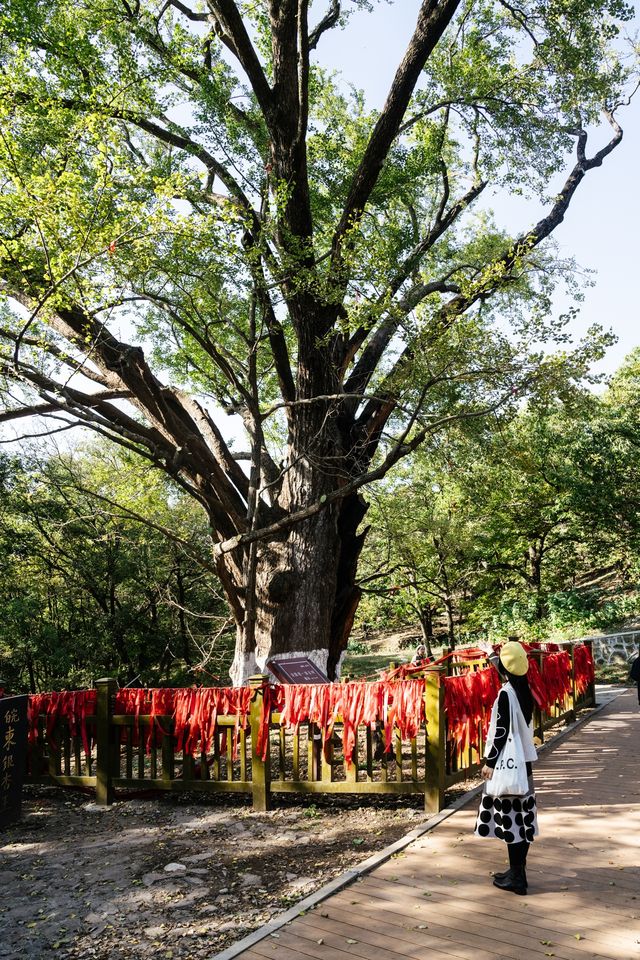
296	670
13	756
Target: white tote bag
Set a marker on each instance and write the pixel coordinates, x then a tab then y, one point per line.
510	772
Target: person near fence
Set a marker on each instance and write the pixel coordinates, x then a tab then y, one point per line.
634	674
508	805
420	655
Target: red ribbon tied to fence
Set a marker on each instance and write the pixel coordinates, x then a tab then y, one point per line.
468	699
74	706
355	704
387	703
583	669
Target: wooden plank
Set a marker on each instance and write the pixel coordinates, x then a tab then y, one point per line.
351	770
260	758
229	764
398	756
405	932
168	745
141	753
77	756
178	786
465	933
65	749
282	750
284	948
314	750
370	942
473	925
129	753
367	944
242	749
105	741
62	780
414	758
436	738
369	753
404	788
296	754
188	767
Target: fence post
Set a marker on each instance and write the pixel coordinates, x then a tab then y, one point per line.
592	686
446	656
260	768
538	718
573	682
435	751
104	737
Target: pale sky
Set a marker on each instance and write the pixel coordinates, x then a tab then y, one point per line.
600	230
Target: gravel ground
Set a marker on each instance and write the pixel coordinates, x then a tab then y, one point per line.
173	877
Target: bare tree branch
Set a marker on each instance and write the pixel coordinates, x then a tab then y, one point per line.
233	33
401	448
380	339
42	409
183	8
330	19
173	429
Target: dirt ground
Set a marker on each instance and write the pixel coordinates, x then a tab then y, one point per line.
172	877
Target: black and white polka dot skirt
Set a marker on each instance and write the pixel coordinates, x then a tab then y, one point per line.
508	818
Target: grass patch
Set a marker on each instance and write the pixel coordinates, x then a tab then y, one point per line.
613	673
358	665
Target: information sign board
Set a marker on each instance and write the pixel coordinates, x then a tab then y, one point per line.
296	670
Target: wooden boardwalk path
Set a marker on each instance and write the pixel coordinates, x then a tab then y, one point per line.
435	901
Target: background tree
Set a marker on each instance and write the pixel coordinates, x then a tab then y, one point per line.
89	588
193	214
424	543
535	513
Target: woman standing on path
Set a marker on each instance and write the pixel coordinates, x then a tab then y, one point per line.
510	816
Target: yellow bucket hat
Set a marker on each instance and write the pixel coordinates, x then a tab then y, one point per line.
513	658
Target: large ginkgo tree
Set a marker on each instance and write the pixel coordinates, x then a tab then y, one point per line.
198	219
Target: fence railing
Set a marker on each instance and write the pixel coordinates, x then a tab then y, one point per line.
129	752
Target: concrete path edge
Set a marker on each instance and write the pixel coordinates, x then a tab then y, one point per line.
366	866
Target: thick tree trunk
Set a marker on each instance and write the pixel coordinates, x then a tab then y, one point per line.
32	675
451	634
535	561
306	594
425	616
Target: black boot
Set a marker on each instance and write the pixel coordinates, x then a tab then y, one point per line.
517	858
503	876
515	881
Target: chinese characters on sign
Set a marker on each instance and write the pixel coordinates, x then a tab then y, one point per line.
13	756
